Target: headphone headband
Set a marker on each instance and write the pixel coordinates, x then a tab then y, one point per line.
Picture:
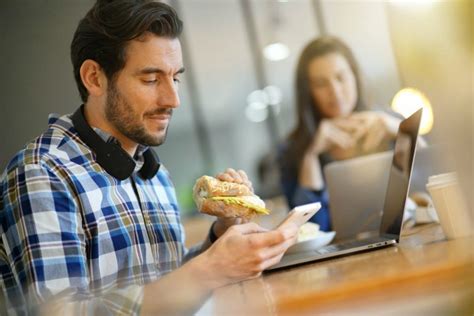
110	155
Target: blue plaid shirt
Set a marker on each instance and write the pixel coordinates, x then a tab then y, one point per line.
69	229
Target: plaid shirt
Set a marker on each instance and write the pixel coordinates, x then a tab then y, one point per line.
70	229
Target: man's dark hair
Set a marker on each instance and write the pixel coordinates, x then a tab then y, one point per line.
103	34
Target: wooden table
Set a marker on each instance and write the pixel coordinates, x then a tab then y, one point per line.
424	274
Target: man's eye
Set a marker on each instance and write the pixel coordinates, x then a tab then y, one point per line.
150	81
176	80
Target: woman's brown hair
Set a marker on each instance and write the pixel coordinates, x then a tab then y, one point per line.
308	117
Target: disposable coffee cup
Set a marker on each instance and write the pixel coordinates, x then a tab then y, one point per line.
450	205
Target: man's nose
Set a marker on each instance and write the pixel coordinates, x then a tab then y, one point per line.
168	95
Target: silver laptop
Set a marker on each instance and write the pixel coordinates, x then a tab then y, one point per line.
357	188
394	205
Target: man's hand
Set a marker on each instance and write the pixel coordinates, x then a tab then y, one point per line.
231	175
244	251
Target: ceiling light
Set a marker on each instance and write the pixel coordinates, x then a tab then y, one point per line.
408	100
257	96
276	51
256	112
273	94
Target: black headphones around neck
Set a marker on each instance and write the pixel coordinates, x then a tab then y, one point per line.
110	155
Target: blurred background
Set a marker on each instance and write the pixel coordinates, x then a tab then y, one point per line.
237	98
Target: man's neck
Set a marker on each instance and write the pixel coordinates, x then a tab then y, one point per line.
95	117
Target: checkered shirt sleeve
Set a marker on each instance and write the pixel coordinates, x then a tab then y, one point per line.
46	246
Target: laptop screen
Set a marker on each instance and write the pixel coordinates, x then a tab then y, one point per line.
399	178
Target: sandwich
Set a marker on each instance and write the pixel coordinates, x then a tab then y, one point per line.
226	199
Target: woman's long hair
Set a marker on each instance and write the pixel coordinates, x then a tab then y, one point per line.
308	116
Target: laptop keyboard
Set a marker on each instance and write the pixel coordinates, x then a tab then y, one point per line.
350	244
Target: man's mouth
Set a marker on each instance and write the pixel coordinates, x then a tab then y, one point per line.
160	117
164	115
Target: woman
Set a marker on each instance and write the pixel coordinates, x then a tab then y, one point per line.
332	123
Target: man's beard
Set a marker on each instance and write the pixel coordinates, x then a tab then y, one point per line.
122	116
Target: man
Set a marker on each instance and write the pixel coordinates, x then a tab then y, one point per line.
88	214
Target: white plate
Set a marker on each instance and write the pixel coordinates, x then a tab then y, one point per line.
320	240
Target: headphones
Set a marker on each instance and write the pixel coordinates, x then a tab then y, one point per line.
110	155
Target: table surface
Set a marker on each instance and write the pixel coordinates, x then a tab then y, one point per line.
424	273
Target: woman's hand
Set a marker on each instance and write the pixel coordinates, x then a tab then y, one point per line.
338	132
375	128
359	133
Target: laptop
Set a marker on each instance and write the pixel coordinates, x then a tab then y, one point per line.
356	188
357	191
394	204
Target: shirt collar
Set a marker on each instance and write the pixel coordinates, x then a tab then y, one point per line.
56	119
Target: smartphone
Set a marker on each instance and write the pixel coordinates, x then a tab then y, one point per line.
301	214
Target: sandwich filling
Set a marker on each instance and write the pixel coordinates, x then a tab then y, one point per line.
251	202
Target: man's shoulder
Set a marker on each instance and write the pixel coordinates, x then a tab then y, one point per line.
59	146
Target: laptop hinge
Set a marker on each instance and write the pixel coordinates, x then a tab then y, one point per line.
390	236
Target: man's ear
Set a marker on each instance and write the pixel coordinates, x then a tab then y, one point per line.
93	78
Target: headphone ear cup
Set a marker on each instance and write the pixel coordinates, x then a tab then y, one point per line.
116	161
109	155
151	165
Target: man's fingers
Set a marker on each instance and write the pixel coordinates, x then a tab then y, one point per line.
231	175
272	261
245	179
278	249
243	175
248	228
224	177
264	238
234	174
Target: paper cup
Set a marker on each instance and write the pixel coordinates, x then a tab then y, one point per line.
450	205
